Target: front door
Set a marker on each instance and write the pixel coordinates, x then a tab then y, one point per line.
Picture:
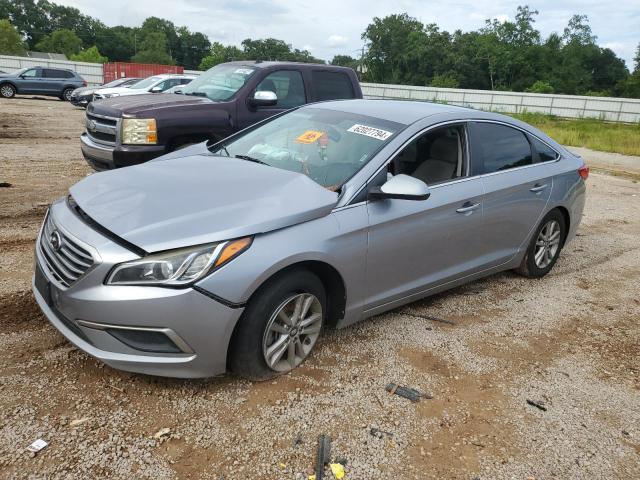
288	87
30	81
416	245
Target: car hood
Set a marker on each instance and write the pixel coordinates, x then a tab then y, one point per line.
199	199
141	104
121	91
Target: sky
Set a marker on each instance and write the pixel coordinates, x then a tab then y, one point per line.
330	27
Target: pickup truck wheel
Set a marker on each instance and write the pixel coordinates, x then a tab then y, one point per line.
7	90
279	327
66	95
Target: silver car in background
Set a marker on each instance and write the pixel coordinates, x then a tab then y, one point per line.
235	256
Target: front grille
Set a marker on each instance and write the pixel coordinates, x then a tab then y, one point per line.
69	261
102	129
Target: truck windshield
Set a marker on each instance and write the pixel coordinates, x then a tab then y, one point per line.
328	146
220	83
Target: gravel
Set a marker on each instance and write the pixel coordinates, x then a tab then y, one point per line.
570	341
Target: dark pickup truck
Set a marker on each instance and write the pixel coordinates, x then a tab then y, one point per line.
231	96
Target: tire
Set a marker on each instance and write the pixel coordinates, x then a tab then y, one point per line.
261	327
545	246
66	94
7	90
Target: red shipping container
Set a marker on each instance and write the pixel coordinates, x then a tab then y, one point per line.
111	71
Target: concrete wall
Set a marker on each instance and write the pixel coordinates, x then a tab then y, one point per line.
572	106
91	72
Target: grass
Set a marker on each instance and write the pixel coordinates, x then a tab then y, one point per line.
590	133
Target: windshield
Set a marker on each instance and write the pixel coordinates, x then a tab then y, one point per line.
326	145
114	83
147	82
220	83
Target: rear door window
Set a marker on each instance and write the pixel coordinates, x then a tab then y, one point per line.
287	85
544	152
53	73
499	147
331	85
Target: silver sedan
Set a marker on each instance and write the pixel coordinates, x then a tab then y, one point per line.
235	256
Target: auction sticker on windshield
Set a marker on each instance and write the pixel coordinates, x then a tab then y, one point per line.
309	136
370	132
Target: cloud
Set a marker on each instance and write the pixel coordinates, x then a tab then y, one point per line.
337	41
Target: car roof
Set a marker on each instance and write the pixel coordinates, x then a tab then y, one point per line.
400	111
269	64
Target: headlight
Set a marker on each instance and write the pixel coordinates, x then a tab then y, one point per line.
109	95
178	267
139	131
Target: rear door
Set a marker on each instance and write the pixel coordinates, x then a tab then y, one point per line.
331	85
517	187
53	80
288	87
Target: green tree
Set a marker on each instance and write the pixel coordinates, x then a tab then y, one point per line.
540	86
10	41
387	39
444	81
153	49
345	61
91	55
60	41
219	53
192	48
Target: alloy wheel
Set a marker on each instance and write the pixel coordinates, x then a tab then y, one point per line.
6	91
292	332
547	244
67	94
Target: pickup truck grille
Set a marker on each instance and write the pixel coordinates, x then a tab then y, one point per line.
102	129
64	258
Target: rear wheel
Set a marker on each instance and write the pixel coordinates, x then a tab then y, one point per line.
545	246
66	94
7	90
279	327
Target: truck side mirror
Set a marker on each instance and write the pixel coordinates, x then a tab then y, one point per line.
263	98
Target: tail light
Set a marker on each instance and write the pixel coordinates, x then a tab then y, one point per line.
84	83
583	171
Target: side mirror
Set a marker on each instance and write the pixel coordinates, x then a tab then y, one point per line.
263	98
401	187
156	90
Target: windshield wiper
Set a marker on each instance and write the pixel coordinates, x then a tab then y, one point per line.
251	159
196	94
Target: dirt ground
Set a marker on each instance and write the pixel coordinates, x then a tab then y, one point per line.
569	342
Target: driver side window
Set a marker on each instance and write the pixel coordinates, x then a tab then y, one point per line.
287	85
33	73
434	157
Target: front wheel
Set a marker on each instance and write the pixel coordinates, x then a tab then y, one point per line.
279	327
7	90
66	94
545	246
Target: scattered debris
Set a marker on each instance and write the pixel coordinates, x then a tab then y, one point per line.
162	433
323	455
406	392
121	390
80	421
36	446
298	440
376	432
429	317
478	444
5	184
337	469
538	405
625	433
379	401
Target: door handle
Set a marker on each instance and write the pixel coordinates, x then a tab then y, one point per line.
468	207
538	188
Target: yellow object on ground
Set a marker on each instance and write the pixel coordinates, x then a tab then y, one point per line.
337	469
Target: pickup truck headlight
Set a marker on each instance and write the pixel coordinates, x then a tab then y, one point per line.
139	131
178	267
